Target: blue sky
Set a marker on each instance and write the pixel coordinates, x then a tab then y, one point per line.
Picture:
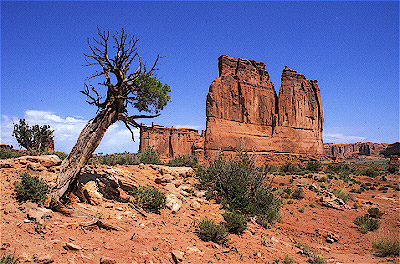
351	48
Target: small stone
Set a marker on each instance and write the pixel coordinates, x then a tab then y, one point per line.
71	246
177	256
195	205
43	258
26	220
107	260
173	203
200	194
24	257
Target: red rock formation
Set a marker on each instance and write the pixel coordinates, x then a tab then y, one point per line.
244	111
350	150
172	142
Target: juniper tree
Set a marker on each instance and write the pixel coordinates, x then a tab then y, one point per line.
124	88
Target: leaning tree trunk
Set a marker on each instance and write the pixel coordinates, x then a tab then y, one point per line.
88	141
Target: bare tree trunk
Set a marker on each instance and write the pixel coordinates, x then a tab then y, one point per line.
88	141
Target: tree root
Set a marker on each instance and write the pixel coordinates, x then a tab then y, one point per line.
57	206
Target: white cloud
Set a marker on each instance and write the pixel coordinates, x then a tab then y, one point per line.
340	138
189	126
67	130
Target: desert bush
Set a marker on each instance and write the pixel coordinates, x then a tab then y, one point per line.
31	188
375	212
313	256
288	260
239	185
338	168
386	246
38	138
270	168
289	167
184	161
208	230
9	259
341	195
393	168
9	154
235	223
149	156
370	172
313	166
366	223
149	198
298	193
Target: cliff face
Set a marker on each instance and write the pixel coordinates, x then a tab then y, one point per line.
243	110
172	142
350	150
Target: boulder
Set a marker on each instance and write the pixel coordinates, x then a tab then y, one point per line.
173	203
45	160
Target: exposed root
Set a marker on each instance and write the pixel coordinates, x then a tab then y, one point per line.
57	206
138	209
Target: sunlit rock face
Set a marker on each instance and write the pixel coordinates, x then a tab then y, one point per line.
243	111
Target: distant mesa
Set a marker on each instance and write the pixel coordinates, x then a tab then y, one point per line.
244	111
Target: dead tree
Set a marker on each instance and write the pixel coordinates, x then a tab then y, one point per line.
138	89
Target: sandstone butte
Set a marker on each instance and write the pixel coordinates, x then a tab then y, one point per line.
244	111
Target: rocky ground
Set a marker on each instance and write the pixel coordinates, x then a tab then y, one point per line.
326	225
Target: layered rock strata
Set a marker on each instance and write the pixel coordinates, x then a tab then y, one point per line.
171	142
351	150
243	111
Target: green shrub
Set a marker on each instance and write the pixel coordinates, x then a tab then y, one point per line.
31	188
9	154
387	246
235	223
313	256
375	212
289	167
208	230
288	260
270	168
9	259
269	218
341	195
338	168
239	185
149	156
124	158
393	168
149	198
366	223
370	172
313	166
184	161
298	193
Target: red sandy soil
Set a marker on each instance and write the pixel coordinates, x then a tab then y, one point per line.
152	240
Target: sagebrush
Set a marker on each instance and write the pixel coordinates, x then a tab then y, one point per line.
149	198
366	223
240	186
208	230
235	222
31	188
387	246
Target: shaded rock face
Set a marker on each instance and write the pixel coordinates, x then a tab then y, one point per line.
172	142
351	150
392	149
244	111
